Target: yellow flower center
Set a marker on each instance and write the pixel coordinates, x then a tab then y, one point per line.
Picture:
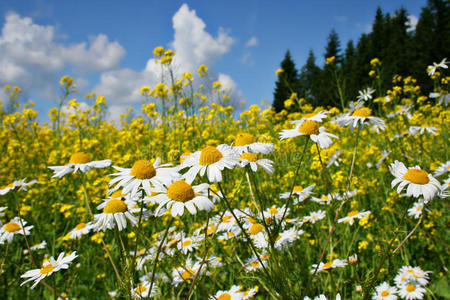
226	219
180	191
140	289
210	155
363	112
249	156
143	169
79	158
254	264
187	274
46	269
307	116
309	127
255	229
243	139
9	186
385	293
327	265
224	296
12	227
115	206
410	288
80	226
186	243
416	176
352	213
273	211
297	189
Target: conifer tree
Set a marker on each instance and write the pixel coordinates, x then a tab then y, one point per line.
287	83
308	74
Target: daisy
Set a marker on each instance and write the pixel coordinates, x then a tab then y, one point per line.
253	264
245	142
383	154
317	117
180	194
142	174
314	216
310	129
443	193
231	294
443	96
442	64
402	110
301	193
362	115
20	184
365	94
252	160
116	210
212	161
413	130
385	291
288	236
324	200
337	263
48	268
186	272
12	228
408	274
411	291
79	230
275	213
351	216
249	293
334	159
419	182
41	245
442	169
143	290
187	244
416	210
79	161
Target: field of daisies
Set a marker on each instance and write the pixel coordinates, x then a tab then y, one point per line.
189	199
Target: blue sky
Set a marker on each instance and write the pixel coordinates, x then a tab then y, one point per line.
107	45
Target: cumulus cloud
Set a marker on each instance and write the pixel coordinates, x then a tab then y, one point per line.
236	96
412	22
193	46
31	54
252	42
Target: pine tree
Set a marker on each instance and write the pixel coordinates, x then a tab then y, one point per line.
287	83
351	81
308	73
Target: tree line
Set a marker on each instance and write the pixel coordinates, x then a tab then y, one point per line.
401	49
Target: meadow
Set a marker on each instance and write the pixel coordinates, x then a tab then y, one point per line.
189	199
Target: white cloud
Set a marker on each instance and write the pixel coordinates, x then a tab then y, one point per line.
412	22
31	55
247	59
252	42
236	96
341	19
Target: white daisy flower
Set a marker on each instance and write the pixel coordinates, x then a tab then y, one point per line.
299	192
248	294
432	69
212	161
231	294
443	96
2	209
413	130
142	291
188	244
252	160
442	169
419	182
186	272
246	142
351	216
227	222
79	161
314	216
48	268
41	245
416	210
79	230
116	210
19	184
443	193
337	263
415	275
411	291
288	236
324	200
310	129
12	228
142	174
275	213
383	154
402	110
334	159
253	263
317	117
365	94
177	195
385	292
362	115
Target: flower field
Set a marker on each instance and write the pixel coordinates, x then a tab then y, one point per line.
190	199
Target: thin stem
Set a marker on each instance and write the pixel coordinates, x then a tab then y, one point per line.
409	235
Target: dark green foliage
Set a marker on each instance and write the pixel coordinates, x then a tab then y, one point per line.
287	83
